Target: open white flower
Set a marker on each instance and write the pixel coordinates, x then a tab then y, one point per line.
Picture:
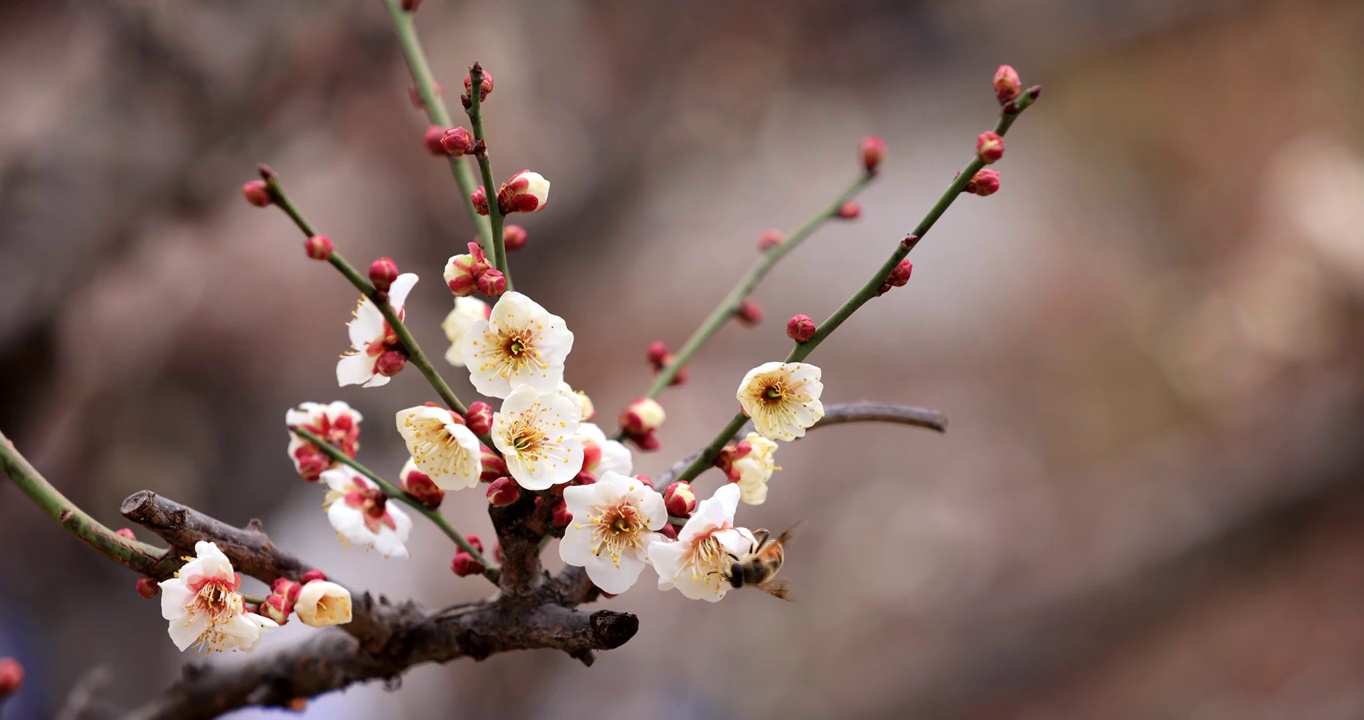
613	524
536	433
782	399
203	605
755	469
362	514
467	311
370	337
519	344
601	455
580	397
321	603
441	446
697	562
335	422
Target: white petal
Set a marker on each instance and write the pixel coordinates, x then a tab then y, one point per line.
666	557
398	291
576	546
606	575
355	369
175	594
367	325
615	457
186	631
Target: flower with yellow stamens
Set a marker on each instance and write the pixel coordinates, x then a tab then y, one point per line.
322	603
520	344
782	399
536	433
441	446
699	560
203	605
614	520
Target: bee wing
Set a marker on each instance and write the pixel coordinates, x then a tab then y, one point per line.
785	538
779	589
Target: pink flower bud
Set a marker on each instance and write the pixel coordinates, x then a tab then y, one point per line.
492	283
680	499
126	533
421	487
984	184
582	478
494	466
513	237
872	151
849	210
479	198
319	247
256	193
147	587
312	575
657	354
277	608
749	313
503	492
800	328
461	274
415	95
11	677
475	542
989	147
770	239
465	565
286	588
642	416
562	517
479	418
382	273
483	89
390	363
458	142
432	139
897	278
411	5
668	531
525	191
644	479
648	442
1007	84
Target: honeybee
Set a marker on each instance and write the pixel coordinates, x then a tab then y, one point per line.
759	567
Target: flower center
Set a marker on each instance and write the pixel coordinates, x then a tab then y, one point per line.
517	351
617	529
708	560
775	393
373	504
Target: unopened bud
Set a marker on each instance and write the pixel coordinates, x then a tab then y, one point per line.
503	492
680	499
989	147
493	466
465	565
872	150
492	283
390	363
286	588
382	273
479	418
479	198
657	354
591	456
800	328
126	533
984	184
642	416
319	247
668	531
256	193
277	608
770	239
474	541
648	442
147	587
457	141
513	237
432	139
483	89
562	517
312	575
11	677
850	210
414	94
1007	84
461	274
748	313
525	191
420	486
411	5
897	278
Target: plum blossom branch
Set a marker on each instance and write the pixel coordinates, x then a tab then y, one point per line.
139	556
491	570
485	166
409	343
425	83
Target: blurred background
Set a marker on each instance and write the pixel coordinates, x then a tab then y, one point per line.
1149	343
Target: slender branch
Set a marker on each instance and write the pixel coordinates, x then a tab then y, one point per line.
842	414
869	290
380	300
139	556
435	110
485	166
490	569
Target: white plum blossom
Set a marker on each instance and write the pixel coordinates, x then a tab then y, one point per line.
602	455
613	526
699	560
203	605
537	434
321	603
362	514
335	422
580	397
755	469
456	326
782	399
520	344
370	337
441	446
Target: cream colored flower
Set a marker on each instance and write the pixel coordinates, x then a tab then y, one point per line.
755	469
519	344
537	434
782	399
698	561
322	603
456	325
614	520
441	446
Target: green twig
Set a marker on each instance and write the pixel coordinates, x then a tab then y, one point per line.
490	571
485	166
868	291
435	111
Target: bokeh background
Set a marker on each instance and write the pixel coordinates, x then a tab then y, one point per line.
1149	342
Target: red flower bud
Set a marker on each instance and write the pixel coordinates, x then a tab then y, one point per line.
492	283
1007	84
749	313
591	456
849	210
465	565
642	416
147	587
503	492
483	89
494	466
11	677
897	278
479	198
525	191
657	354
382	273
984	184
668	531
458	142
989	147
256	193
770	239
800	328
680	499
513	237
411	5
421	487
277	608
319	247
390	363
312	575
286	588
479	418
432	139
562	517
872	151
